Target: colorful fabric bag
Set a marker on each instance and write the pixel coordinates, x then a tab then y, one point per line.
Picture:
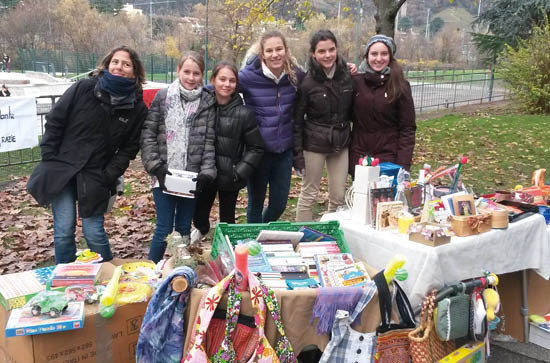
426	347
263	351
162	333
347	344
392	343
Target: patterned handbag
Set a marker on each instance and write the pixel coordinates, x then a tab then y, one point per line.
347	344
392	344
226	353
426	347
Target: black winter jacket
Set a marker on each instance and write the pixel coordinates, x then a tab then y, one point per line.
239	145
88	138
323	112
200	150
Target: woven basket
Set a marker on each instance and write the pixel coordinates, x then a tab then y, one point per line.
426	347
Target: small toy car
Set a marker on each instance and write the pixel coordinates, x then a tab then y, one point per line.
52	303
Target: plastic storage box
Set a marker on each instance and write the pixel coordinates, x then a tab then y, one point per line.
237	232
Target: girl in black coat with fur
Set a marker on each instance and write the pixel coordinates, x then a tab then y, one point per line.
239	150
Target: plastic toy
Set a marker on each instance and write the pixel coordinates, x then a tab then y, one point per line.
86	293
395	265
492	300
52	303
111	290
87	256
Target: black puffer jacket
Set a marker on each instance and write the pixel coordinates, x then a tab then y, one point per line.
239	145
323	112
88	138
200	150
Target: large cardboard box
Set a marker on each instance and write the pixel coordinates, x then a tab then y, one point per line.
101	340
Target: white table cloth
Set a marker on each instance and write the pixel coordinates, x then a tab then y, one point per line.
525	244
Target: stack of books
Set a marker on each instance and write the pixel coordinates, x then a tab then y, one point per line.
308	251
340	270
75	274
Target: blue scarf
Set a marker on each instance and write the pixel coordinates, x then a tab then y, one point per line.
162	333
116	85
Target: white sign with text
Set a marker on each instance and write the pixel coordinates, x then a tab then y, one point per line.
17	123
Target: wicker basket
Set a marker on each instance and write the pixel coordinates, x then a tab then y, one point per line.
468	225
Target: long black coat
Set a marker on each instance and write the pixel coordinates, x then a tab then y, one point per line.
239	145
89	139
323	112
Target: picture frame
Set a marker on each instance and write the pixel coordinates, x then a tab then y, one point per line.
464	205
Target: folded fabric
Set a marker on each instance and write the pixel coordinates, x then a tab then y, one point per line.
330	300
162	334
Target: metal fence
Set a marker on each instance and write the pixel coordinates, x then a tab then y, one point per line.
159	68
441	89
432	90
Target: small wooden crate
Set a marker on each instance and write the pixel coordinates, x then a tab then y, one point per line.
434	241
468	225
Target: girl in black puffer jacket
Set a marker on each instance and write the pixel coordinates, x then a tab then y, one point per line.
239	150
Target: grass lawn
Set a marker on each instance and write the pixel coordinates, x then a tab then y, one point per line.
503	150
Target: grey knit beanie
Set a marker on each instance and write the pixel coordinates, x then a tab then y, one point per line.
388	41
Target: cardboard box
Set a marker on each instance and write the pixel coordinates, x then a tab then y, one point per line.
539	336
101	340
434	242
469	353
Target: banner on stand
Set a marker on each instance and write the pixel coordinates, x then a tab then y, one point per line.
18	125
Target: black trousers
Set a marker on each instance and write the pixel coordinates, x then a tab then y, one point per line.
203	206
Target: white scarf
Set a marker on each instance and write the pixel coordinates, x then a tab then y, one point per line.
182	105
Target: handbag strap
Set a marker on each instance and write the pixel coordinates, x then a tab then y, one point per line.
226	349
283	348
366	297
385	302
422	332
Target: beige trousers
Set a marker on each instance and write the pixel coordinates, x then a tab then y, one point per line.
337	172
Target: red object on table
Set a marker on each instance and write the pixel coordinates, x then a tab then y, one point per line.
241	267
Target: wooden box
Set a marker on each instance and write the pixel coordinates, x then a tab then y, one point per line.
434	241
468	225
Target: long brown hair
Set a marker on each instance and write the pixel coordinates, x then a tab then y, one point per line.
290	64
397	81
139	70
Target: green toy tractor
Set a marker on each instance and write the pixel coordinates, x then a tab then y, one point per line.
52	303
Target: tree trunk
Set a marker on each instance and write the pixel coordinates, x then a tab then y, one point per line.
386	11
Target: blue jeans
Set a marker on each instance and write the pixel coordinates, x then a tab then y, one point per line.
64	227
275	170
172	213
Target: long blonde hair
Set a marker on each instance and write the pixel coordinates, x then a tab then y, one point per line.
290	64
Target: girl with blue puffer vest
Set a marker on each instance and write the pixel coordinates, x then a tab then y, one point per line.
268	83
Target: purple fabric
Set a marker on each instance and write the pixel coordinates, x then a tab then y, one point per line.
272	104
331	299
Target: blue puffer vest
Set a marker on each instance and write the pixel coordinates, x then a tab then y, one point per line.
272	104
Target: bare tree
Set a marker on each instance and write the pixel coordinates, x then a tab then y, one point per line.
386	11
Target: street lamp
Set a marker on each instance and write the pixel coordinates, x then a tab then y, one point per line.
206	47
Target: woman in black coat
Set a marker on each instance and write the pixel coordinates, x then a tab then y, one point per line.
239	150
322	131
91	134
